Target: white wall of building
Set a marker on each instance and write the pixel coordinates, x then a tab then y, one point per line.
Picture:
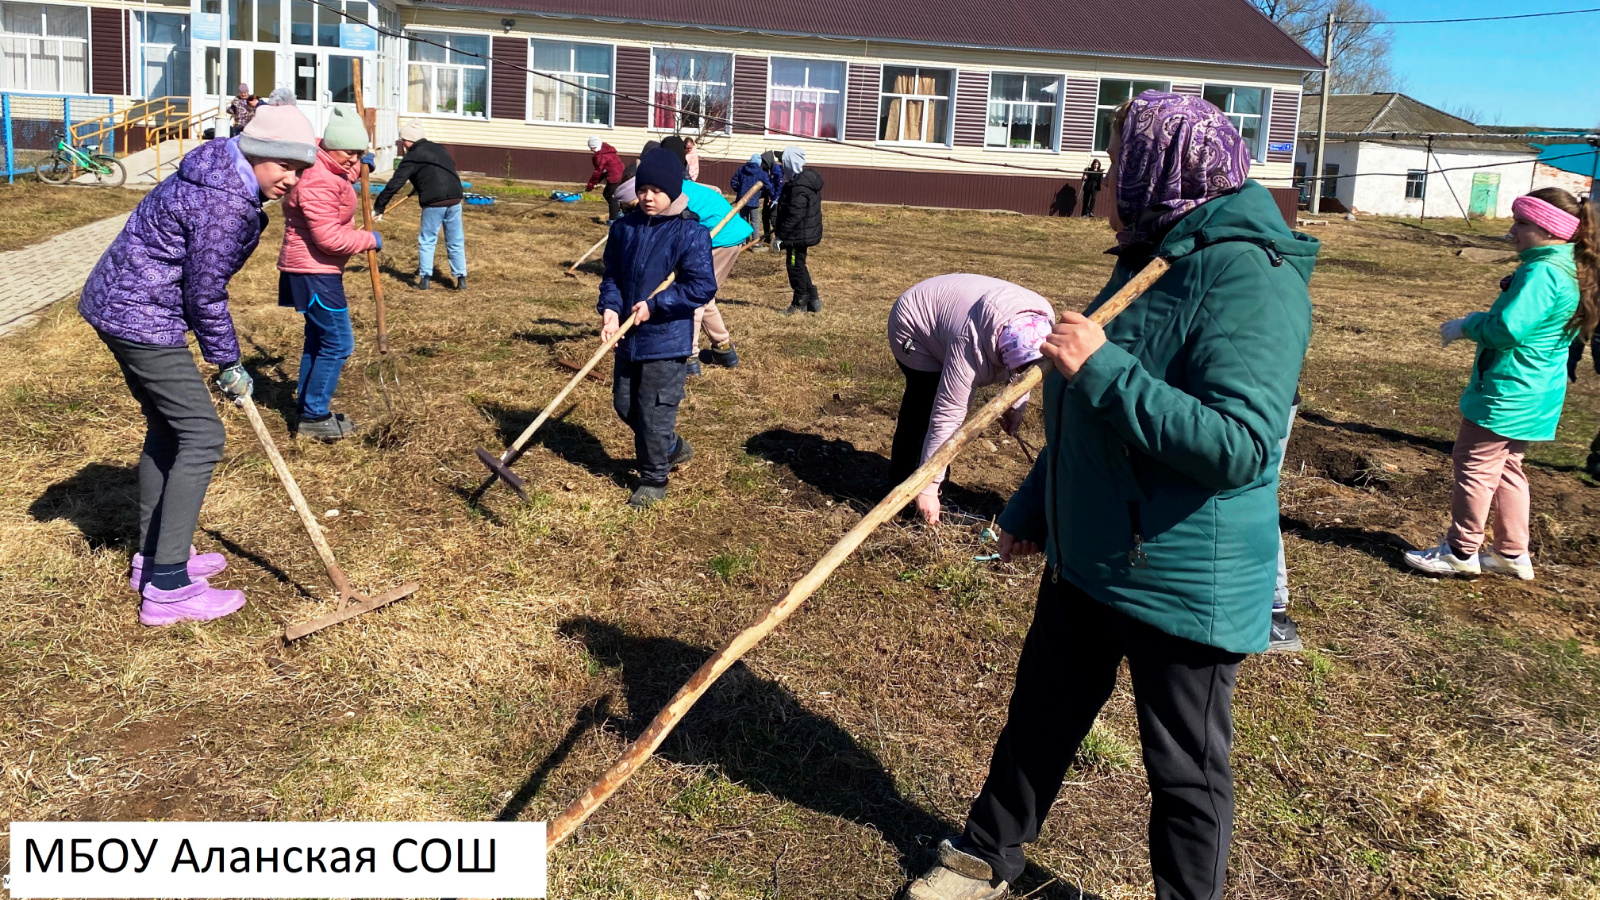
1379	183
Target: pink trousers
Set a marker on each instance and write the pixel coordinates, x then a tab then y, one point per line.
708	318
1488	476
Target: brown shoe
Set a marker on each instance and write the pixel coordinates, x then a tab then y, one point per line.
957	876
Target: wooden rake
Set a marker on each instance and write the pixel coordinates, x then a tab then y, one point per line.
500	466
670	715
572	272
352	603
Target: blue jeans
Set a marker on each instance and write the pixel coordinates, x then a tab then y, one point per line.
455	240
329	342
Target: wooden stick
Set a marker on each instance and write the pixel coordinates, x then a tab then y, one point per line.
307	518
574	269
515	450
673	712
366	213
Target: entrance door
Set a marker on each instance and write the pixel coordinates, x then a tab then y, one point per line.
321	79
1485	195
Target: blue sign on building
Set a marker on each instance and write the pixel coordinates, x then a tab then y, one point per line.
206	27
357	37
1285	147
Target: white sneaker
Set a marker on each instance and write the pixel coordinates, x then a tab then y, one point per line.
1441	561
1489	560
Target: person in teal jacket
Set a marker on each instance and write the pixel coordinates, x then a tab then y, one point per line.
1518	383
709	204
1155	502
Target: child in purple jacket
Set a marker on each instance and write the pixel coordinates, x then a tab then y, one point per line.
165	275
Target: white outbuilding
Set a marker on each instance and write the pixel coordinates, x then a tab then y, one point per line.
1375	164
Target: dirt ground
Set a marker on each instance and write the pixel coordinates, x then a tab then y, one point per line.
31	211
1436	739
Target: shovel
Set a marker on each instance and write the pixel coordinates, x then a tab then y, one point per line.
670	715
352	603
500	466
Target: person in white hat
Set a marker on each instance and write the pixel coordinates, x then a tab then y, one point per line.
429	168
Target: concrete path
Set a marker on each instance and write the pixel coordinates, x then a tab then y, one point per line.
39	275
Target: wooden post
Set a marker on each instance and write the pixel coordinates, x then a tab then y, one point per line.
731	652
366	213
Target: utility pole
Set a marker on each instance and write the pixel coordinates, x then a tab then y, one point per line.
1322	116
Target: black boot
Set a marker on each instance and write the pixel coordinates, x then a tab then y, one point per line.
461	282
813	302
796	306
422	282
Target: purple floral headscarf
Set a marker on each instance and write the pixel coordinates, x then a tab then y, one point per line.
1178	152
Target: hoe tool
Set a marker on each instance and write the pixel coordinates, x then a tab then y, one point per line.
500	466
352	603
641	750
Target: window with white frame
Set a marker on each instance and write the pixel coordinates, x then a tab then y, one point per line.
914	107
1022	111
44	48
1113	93
1242	106
574	95
444	78
1416	184
805	97
693	90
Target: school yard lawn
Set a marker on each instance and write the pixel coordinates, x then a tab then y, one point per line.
1435	739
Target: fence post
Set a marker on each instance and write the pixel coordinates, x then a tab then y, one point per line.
66	119
11	153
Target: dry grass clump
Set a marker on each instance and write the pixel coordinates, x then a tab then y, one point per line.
1437	740
34	211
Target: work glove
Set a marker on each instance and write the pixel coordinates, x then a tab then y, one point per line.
379	238
235	382
1453	330
368	161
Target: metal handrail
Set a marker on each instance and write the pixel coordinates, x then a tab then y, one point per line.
179	129
98	127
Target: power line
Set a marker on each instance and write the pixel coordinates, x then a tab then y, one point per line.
1538	15
728	122
1513	162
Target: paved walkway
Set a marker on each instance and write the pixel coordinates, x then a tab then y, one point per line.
38	276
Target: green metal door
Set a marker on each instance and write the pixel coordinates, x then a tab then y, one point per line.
1485	195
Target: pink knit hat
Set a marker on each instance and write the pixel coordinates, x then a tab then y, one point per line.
279	132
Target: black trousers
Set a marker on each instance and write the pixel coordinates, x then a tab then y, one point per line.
768	209
911	427
646	396
182	444
1183	693
799	276
1088	201
613	206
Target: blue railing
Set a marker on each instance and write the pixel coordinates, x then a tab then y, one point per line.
29	123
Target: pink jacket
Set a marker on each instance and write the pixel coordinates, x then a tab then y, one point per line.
691	162
318	237
951	325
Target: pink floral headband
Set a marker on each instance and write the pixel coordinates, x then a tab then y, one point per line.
1560	224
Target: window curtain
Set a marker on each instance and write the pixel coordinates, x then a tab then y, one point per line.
417	89
666	105
13	63
914	113
74	67
905	83
891	128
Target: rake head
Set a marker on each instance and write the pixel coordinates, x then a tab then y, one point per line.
503	472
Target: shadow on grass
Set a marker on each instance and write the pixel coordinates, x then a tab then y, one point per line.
260	562
548	339
1384	546
848	475
275	387
102	500
757	734
590	716
573	443
1437	445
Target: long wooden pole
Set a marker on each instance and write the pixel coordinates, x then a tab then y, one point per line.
366	213
515	449
573	270
307	518
731	652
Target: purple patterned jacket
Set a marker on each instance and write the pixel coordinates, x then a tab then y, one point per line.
168	271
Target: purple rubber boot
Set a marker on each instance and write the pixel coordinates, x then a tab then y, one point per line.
196	602
201	565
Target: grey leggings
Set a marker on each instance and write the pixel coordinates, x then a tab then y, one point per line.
1280	591
182	444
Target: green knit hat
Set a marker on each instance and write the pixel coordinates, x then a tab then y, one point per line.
345	130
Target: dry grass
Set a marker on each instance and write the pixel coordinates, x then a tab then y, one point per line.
31	211
1439	740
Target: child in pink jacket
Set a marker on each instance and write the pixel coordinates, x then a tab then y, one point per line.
318	238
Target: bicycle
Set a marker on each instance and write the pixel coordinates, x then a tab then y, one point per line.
66	162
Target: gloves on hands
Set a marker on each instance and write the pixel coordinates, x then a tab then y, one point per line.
235	382
377	237
1453	330
368	161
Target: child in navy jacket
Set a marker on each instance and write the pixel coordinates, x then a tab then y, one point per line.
646	246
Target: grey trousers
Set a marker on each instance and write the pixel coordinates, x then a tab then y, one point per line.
646	396
1280	592
182	444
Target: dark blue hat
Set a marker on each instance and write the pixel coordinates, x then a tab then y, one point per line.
661	169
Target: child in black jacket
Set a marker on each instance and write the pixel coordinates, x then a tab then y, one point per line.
799	228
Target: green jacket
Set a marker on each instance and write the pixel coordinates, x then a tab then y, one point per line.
1157	489
1519	379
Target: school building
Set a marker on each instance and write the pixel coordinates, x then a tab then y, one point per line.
949	103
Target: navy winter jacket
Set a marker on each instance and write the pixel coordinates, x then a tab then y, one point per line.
640	253
749	175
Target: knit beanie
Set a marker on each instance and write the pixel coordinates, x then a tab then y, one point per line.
663	170
676	145
345	130
594	143
281	133
412	131
755	159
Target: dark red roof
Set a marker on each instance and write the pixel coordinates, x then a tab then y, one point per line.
1226	31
